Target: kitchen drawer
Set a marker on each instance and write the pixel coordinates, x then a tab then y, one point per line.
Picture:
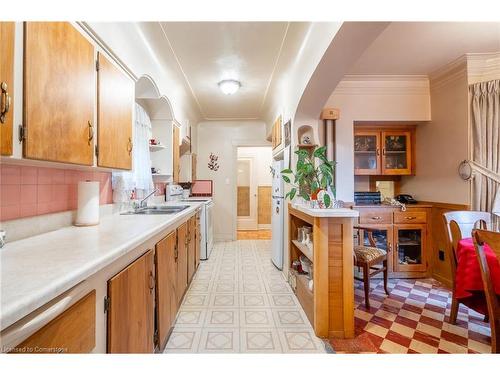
375	216
410	217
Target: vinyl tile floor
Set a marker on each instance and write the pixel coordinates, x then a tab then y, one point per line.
239	302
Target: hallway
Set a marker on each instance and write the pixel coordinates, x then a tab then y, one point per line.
240	303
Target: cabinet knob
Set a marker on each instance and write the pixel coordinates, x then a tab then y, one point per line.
130	146
410	217
376	218
91	132
4	101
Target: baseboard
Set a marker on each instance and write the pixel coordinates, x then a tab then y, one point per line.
443	280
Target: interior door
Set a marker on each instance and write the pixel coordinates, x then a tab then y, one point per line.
246	194
131	308
166	278
7	32
59	93
115	100
182	261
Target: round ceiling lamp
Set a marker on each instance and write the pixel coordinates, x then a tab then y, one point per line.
229	86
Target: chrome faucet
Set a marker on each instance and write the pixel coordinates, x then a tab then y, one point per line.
143	203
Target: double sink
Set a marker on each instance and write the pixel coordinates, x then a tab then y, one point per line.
157	210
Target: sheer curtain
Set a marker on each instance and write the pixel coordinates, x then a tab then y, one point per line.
485	123
139	178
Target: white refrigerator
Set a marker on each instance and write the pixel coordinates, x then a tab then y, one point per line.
277	215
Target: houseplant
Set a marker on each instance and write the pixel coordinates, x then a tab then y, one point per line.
313	177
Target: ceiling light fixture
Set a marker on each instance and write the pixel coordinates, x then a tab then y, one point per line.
229	86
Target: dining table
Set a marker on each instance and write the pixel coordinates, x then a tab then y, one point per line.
469	288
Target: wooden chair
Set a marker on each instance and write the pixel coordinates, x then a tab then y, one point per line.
366	257
492	299
458	225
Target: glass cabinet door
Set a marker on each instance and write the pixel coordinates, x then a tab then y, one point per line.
410	248
383	240
367	153
396	152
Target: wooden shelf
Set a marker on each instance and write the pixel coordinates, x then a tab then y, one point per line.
306	145
304	250
154	148
160	175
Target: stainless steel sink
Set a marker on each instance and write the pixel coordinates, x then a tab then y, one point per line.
157	210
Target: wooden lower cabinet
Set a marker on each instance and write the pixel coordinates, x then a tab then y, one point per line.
191	247
405	235
73	331
131	308
182	261
166	279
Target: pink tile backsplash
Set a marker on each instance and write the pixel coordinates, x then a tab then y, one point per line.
31	191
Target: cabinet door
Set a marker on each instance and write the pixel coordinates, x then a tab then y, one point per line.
7	31
131	308
182	261
175	156
166	278
59	89
367	153
411	246
197	241
191	248
396	153
73	331
115	100
383	236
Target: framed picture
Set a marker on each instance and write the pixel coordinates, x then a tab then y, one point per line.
288	132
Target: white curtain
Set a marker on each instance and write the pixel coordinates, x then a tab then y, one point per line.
485	123
139	178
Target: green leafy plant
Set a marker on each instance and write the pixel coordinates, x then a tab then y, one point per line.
313	173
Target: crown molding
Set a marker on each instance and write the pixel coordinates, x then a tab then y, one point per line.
483	67
451	72
361	84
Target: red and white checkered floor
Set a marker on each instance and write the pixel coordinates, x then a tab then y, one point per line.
413	319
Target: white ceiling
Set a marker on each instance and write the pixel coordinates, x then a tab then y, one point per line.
423	47
208	52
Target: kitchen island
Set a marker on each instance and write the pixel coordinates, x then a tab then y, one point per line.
330	304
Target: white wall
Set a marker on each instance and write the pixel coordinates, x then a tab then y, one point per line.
222	139
262	158
140	47
373	98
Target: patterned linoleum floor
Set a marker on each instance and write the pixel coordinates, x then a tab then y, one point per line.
413	319
239	302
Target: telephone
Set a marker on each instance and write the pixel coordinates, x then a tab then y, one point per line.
406	199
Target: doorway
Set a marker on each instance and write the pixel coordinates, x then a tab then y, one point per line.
253	189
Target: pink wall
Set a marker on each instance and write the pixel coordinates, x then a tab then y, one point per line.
31	191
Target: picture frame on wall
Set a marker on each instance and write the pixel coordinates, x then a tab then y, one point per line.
288	132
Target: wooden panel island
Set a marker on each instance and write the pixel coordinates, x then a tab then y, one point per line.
330	304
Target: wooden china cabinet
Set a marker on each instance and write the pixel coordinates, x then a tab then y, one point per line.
384	150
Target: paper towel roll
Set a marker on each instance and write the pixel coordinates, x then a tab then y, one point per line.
88	203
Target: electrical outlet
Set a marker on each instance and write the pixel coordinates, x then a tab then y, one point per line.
441	255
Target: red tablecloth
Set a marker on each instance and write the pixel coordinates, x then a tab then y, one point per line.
468	282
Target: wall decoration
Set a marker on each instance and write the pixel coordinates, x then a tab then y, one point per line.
288	132
212	162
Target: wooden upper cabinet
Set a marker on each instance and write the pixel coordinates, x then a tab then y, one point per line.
367	153
384	150
176	166
166	279
59	93
115	101
396	152
182	261
131	308
7	32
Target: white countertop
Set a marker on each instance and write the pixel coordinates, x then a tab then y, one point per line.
327	212
37	269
